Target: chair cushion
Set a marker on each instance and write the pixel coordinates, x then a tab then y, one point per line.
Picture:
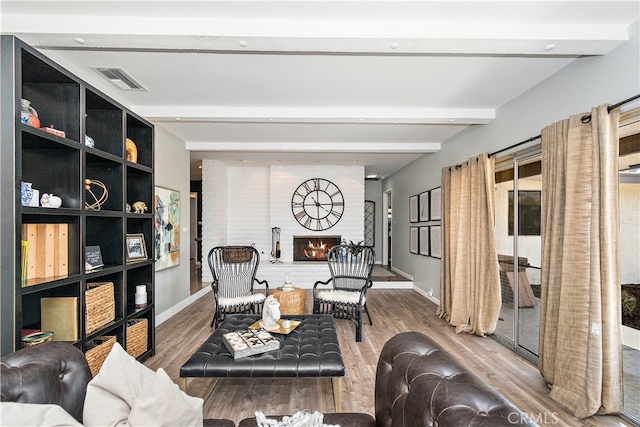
341	296
238	301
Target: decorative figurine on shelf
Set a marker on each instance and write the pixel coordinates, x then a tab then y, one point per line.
26	193
28	114
89	142
50	201
139	207
132	151
270	314
128	208
98	201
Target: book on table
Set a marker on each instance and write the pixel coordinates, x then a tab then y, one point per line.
247	342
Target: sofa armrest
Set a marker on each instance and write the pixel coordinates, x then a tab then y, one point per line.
51	372
419	383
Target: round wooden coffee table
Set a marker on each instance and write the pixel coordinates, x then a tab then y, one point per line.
291	302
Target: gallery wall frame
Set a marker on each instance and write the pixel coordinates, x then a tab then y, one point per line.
413	209
435	241
435	204
423	240
423	206
166	228
414	239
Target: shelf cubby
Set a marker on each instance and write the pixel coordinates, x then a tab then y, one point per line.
31	307
105	231
104	124
41	160
54	94
138	275
142	135
109	173
139	187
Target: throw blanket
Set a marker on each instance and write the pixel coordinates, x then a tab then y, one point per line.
299	419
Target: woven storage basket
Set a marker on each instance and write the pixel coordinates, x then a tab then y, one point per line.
100	305
137	337
96	355
291	302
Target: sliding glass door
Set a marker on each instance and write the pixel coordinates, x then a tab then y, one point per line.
518	210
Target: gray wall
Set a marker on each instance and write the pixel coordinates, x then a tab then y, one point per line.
172	171
584	83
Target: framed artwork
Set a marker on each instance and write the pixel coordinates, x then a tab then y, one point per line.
413	209
423	205
435	236
435	204
413	240
423	240
166	228
136	248
529	212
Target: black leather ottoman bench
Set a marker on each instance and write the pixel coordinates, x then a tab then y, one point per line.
310	350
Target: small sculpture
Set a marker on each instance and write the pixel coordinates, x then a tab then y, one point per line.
132	151
270	314
139	207
50	201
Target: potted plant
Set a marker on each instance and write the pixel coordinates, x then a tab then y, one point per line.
355	248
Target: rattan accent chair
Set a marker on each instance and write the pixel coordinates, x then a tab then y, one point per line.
234	271
350	267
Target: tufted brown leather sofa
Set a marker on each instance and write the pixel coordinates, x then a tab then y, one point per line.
55	373
419	384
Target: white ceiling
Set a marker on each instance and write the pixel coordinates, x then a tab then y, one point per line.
375	83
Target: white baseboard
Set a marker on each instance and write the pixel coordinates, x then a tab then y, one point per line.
425	294
168	314
402	273
631	337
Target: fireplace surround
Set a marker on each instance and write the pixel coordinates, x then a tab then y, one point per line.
313	248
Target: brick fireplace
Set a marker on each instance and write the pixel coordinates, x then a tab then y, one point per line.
313	248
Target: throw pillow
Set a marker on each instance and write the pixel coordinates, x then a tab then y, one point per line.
162	403
32	414
127	393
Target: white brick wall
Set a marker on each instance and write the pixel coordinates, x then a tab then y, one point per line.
242	204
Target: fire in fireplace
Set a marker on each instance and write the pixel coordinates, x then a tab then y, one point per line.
313	248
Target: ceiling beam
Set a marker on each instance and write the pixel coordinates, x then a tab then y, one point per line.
316	147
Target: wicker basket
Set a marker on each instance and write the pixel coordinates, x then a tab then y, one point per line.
100	305
137	337
291	302
96	355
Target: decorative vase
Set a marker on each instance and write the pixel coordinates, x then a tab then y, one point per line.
26	193
28	114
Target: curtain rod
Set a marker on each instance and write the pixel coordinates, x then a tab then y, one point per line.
585	119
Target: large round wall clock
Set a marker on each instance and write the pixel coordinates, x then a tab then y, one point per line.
317	204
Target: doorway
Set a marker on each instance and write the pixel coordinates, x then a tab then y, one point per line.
518	196
386	228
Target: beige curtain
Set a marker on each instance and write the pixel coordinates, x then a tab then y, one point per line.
469	276
580	345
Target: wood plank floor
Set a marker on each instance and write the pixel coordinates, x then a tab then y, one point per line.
393	311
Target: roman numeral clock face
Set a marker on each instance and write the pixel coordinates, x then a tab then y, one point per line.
317	204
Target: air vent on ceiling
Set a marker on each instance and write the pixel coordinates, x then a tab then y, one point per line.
119	78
